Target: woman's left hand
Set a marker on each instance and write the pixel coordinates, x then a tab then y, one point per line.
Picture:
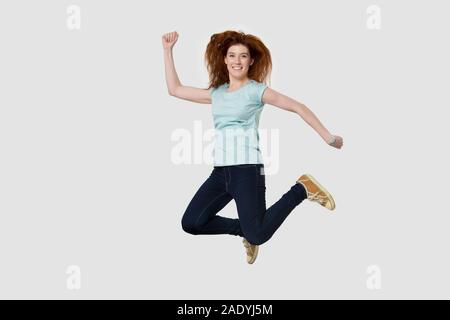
337	143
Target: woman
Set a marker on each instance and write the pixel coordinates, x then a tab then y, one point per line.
238	66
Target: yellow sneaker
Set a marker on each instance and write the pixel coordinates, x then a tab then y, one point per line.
252	251
316	192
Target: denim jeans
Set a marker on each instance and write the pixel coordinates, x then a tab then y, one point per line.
246	184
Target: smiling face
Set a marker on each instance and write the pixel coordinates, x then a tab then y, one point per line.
238	61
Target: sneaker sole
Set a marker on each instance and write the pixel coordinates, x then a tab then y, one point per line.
255	255
333	205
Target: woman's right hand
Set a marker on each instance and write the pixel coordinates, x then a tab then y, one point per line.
169	39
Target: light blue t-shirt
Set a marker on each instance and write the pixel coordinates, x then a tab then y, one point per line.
236	119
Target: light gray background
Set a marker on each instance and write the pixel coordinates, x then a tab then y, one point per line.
86	176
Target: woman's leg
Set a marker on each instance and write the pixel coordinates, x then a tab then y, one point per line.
200	216
247	187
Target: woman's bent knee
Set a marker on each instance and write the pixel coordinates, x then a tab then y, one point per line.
189	226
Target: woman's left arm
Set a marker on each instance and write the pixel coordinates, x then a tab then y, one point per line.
279	100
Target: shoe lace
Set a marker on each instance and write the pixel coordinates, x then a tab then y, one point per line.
322	199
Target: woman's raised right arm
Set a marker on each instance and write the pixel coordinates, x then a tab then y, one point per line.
174	85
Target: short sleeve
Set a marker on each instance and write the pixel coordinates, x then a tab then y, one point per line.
212	90
259	89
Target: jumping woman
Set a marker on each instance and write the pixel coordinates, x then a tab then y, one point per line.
239	65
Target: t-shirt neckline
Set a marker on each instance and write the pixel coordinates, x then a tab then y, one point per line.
227	85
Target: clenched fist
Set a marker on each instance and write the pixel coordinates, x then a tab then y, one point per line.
337	142
169	39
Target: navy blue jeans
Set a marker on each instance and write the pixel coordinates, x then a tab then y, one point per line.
246	184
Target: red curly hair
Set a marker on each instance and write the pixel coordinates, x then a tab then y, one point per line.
217	49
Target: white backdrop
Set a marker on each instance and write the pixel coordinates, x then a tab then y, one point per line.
90	197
